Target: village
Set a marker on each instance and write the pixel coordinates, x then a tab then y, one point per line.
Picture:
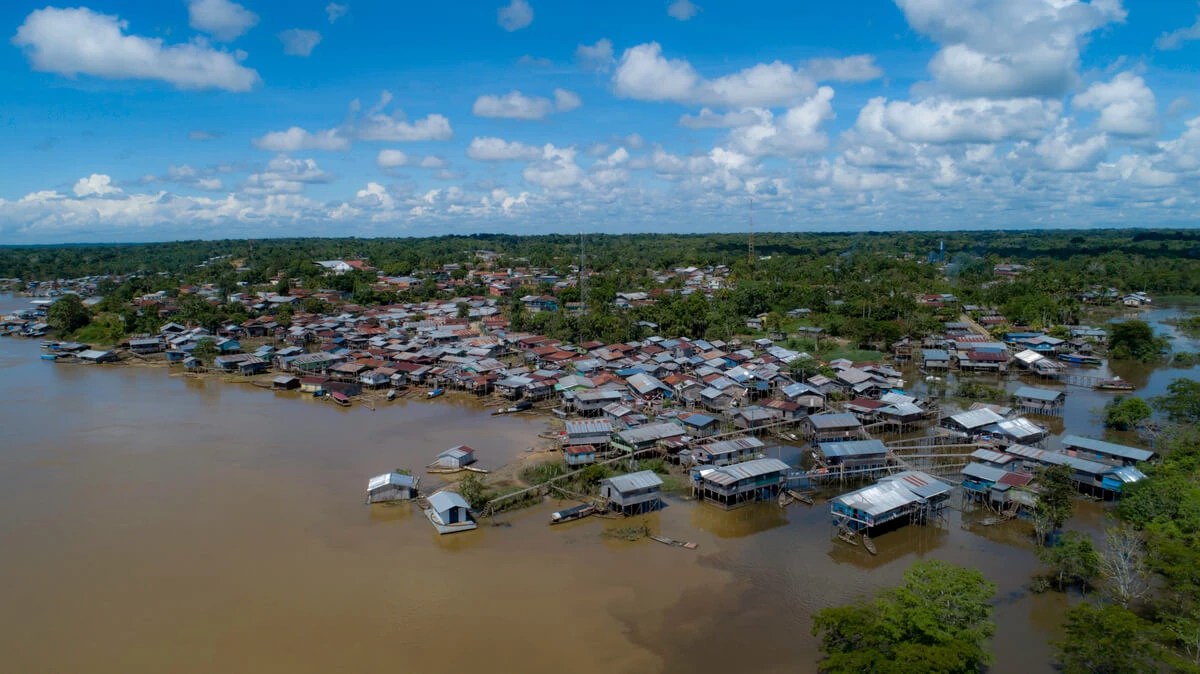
720	416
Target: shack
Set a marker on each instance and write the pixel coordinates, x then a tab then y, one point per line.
146	345
457	457
579	455
854	454
833	426
935	359
1107	452
96	356
738	484
725	452
1033	400
633	493
645	437
1088	476
285	383
909	497
1000	489
394	486
595	432
449	513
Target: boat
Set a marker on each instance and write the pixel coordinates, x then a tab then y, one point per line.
435	393
1080	359
50	356
868	544
1114	384
522	406
803	498
340	398
391	395
449	513
671	541
574	513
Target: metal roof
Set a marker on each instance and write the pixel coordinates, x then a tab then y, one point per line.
1107	448
456	452
972	419
878	499
1058	459
394	479
1128	474
589	427
1034	393
728	475
922	484
643	479
731	446
1019	428
651	433
979	471
902	409
838	420
853	448
446	500
991	457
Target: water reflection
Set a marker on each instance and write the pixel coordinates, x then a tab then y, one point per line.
739	522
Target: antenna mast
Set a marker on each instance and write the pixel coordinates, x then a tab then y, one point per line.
750	242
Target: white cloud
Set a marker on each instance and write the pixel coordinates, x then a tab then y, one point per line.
1176	38
515	16
598	57
433	161
375	195
391	159
221	19
515	105
797	131
498	149
296	139
1178	105
95	185
974	120
377	124
286	175
335	11
299	42
1009	48
682	10
1127	106
75	41
209	184
1059	151
707	119
859	68
1137	170
556	170
644	74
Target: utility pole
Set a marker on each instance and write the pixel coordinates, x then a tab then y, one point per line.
750	242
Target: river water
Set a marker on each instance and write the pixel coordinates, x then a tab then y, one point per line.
155	522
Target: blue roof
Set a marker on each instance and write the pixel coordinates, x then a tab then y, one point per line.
853	448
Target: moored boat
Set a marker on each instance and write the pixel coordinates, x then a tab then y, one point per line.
340	398
574	513
1080	359
1114	384
391	395
435	393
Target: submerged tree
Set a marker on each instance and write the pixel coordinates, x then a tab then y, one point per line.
1073	560
1105	640
1123	564
938	620
1134	340
1056	501
1125	413
1181	403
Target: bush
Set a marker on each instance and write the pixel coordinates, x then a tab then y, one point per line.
1125	413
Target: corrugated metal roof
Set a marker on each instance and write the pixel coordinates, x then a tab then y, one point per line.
732	446
445	500
1108	448
728	475
878	499
1034	393
972	419
830	421
589	427
395	479
991	457
651	433
923	485
978	471
643	479
1058	459
853	448
1019	428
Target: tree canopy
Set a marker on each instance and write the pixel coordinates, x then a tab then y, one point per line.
68	314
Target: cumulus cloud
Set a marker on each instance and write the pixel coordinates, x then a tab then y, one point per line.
708	119
515	105
555	170
1009	49
1061	151
974	120
79	41
682	10
645	74
391	159
1127	106
375	195
221	19
497	149
378	124
296	139
860	68
95	185
335	11
797	131
433	161
299	42
286	175
1176	38
515	16
598	57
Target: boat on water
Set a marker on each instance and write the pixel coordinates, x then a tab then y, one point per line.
435	393
1080	359
50	356
340	398
574	513
391	395
1114	384
519	407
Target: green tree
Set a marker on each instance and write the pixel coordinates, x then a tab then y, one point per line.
1073	560
1105	640
938	620
472	490
463	310
1181	403
1134	340
283	315
68	314
206	350
1055	501
283	287
1126	412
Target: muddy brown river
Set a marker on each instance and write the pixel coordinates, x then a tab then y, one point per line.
158	523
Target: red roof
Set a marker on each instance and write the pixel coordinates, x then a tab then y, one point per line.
579	449
1015	479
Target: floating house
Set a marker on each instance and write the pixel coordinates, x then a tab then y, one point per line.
1107	452
854	454
449	513
725	452
392	486
833	426
1020	431
579	455
739	484
633	493
456	457
96	356
1033	400
903	498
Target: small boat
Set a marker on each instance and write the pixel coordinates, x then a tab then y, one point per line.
340	398
50	356
869	544
671	541
1080	359
803	498
435	393
1114	384
522	406
391	395
48	345
574	513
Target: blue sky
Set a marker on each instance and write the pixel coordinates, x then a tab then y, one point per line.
137	121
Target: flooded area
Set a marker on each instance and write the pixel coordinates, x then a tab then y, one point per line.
156	522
